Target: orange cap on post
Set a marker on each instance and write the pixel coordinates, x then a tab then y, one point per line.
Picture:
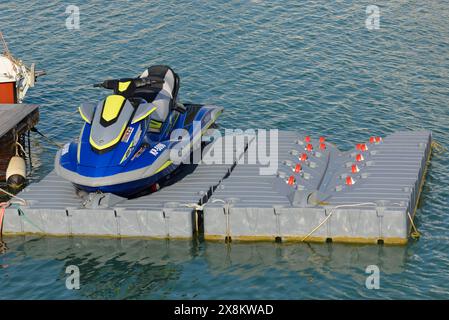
291	180
349	181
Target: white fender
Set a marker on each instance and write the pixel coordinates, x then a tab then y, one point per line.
16	172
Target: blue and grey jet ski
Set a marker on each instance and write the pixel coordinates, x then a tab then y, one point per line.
124	146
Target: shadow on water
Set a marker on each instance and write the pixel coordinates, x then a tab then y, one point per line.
161	269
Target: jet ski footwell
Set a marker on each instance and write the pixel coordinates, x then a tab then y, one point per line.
366	195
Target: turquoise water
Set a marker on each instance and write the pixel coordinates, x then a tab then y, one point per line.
307	66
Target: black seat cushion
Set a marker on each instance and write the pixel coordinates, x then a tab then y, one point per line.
149	93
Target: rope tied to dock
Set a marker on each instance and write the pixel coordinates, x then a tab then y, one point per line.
59	145
438	147
332	211
13	196
6	204
196	206
21	148
415	234
23	216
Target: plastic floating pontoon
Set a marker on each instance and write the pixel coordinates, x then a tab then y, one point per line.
366	195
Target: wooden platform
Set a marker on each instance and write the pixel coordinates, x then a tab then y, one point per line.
12	115
15	119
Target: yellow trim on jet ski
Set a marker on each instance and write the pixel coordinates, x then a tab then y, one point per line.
122	86
155	124
83	116
112	106
144	116
165	165
126	155
111	143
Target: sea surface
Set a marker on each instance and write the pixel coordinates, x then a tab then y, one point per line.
310	66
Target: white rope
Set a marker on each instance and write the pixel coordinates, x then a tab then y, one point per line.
332	211
196	206
200	207
415	233
23	201
21	147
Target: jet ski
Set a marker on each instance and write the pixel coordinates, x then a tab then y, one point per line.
125	144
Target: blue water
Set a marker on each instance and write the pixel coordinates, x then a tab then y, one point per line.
310	66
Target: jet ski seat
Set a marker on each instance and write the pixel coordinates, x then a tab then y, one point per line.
163	96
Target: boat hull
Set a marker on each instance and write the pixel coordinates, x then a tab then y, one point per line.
131	188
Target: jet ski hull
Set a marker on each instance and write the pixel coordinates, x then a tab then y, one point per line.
129	189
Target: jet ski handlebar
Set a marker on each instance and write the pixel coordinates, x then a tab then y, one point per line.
107	84
138	82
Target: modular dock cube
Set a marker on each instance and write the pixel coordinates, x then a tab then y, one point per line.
318	193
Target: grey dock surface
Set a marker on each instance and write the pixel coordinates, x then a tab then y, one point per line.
324	201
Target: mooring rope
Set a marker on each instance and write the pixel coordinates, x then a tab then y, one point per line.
196	206
21	148
415	234
439	148
23	201
23	216
59	145
332	211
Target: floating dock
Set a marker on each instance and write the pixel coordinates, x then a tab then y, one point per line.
366	195
55	208
15	121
